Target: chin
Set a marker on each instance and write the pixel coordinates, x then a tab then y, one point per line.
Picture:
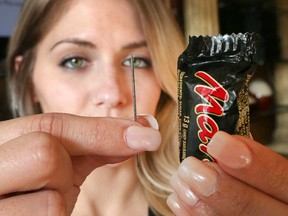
121	164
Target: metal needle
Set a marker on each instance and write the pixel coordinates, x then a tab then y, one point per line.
134	100
133	88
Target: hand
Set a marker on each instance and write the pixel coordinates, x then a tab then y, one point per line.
249	179
45	158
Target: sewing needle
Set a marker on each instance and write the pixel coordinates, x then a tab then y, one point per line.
134	100
133	89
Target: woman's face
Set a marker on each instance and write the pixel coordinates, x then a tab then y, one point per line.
83	63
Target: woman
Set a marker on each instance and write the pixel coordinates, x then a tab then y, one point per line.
74	57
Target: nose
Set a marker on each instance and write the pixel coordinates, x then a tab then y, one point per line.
111	90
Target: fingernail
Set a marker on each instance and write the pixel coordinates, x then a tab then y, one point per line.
198	176
148	121
251	137
174	204
183	190
142	138
229	150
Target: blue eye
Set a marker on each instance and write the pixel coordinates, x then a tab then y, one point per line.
139	62
74	63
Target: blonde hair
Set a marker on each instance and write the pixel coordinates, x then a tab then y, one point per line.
165	42
31	27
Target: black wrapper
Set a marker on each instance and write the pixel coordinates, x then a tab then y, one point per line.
213	76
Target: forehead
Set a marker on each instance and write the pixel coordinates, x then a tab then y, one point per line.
98	18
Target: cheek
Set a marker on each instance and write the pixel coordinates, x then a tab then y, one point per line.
60	98
56	95
148	96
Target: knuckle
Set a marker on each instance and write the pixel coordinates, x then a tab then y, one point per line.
278	179
275	175
50	123
240	203
98	136
56	204
203	209
45	154
45	202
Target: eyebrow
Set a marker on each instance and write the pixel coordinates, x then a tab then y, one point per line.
88	44
135	45
75	41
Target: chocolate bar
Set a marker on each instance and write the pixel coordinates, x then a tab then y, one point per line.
213	75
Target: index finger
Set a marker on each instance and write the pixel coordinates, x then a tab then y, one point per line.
252	163
78	135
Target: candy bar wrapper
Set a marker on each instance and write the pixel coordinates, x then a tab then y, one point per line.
213	76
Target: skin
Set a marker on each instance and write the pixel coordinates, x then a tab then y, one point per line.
45	158
89	69
88	64
89	74
249	179
83	68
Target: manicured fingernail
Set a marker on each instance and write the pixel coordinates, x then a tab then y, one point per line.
142	138
183	191
174	204
229	150
250	136
148	120
198	176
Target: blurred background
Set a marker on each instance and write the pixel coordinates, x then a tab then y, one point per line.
269	18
